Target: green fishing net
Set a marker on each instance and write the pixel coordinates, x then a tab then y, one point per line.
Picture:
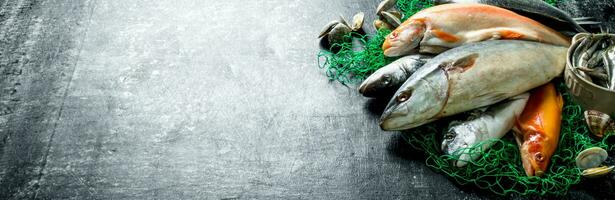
350	65
499	169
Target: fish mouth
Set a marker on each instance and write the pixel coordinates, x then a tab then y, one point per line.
391	119
386	123
386	46
534	171
391	50
372	89
389	123
460	163
537	171
364	87
462	160
369	89
392	123
531	167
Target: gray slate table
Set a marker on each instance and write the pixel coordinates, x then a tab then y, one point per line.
197	99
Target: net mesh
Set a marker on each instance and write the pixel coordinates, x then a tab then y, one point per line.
499	169
350	65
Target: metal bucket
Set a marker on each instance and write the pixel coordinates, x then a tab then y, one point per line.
587	94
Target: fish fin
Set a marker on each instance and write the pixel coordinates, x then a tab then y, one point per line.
499	33
445	36
511	35
518	131
462	64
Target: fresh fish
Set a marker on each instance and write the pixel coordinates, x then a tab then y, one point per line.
387	79
470	77
439	28
493	123
538	129
534	9
593	57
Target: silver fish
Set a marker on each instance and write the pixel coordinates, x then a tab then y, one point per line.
387	79
609	64
533	9
493	123
470	77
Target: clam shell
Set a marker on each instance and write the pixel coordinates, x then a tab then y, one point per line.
397	14
591	158
391	19
597	172
385	5
327	29
338	33
357	21
597	122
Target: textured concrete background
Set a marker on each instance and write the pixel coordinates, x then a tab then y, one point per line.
196	99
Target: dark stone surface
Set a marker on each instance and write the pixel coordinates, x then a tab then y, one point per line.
192	99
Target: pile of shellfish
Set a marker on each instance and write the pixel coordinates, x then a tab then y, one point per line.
338	31
591	160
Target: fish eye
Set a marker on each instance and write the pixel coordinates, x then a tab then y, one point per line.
450	135
403	97
394	35
539	157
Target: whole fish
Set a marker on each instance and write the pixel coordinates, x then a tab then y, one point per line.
439	28
493	123
534	9
387	79
538	129
470	77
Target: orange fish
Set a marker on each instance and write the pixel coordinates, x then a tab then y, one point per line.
443	27
538	129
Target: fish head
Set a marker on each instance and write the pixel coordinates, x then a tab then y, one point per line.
405	39
418	101
377	84
388	79
459	137
533	156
